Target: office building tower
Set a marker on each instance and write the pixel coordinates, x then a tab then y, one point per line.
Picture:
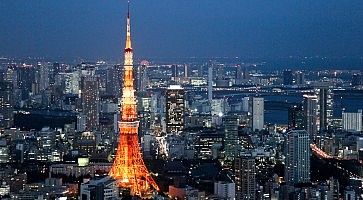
6	105
239	73
246	104
325	99
245	73
185	71
310	111
257	113
71	82
175	98
352	121
42	76
90	96
114	80
53	72
297	157
230	137
57	68
296	117
218	107
299	78
210	83
142	76
25	78
287	76
245	178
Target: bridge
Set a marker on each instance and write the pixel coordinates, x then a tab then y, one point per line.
323	155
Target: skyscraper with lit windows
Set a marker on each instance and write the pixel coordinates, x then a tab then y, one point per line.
175	97
90	95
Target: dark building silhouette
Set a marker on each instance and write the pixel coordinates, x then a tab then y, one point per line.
288	77
296	117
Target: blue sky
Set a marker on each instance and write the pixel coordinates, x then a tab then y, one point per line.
182	28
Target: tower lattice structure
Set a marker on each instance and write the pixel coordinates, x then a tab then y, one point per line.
128	167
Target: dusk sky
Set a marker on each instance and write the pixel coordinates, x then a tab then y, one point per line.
182	28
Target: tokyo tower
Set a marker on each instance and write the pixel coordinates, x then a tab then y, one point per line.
128	168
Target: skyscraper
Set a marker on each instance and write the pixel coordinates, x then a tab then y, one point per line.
296	117
299	78
257	113
26	76
352	121
310	112
174	109
287	76
6	105
142	76
231	137
325	110
210	83
43	76
128	167
245	178
297	155
90	101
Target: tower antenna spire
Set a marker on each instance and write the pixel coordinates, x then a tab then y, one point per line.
128	28
128	8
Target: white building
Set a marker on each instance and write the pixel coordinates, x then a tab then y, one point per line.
71	82
352	121
257	113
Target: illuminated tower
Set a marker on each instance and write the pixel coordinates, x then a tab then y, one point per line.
128	167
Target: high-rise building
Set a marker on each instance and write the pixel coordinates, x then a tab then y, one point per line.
257	113
6	105
310	111
299	78
128	167
175	109
90	101
25	78
352	121
288	77
114	80
142	76
246	104
210	83
43	76
71	83
230	137
297	155
325	99
245	178
53	72
296	117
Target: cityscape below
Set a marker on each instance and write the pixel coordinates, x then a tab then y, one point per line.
181	128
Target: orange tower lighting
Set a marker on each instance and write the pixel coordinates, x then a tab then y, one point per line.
128	168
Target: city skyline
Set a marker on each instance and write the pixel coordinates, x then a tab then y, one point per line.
188	128
183	29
